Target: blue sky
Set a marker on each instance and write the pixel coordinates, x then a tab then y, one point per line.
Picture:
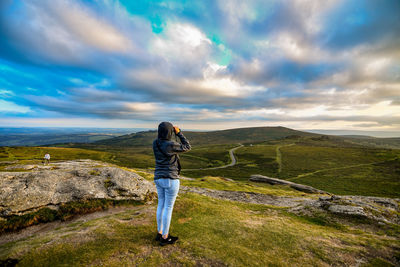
201	64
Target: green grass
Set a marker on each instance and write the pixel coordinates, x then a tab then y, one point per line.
381	179
37	153
257	159
65	211
299	159
207	156
219	183
339	170
230	136
142	157
325	163
212	232
217	232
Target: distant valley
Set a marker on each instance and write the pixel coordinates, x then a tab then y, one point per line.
342	165
36	136
357	218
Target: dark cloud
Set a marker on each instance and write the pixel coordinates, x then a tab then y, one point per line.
362	22
203	61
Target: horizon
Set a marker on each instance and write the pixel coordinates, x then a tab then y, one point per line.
328	66
337	132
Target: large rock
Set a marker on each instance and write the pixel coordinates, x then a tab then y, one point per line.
347	210
274	181
375	208
69	181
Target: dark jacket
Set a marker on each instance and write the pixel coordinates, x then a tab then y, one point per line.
166	152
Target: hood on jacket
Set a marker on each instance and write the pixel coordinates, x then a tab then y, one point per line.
165	130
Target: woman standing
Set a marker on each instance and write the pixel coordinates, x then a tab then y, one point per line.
166	176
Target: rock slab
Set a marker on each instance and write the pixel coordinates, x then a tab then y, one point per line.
274	181
67	181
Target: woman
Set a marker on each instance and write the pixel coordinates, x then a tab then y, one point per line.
166	176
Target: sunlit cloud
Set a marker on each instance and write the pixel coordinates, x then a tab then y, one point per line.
206	64
11	107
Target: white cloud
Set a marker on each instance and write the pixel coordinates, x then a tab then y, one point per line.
96	32
6	93
224	85
182	45
376	66
11	107
377	110
66	32
214	85
281	70
238	11
142	107
311	13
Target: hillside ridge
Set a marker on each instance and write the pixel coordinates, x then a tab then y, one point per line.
227	136
249	135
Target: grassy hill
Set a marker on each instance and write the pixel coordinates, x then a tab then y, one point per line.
231	136
24	139
348	170
216	232
340	165
212	232
335	164
37	136
252	135
323	163
388	142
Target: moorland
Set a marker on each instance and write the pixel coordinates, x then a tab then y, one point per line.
339	165
219	232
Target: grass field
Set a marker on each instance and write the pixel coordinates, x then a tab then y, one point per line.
216	232
358	171
379	179
318	163
57	153
142	156
226	234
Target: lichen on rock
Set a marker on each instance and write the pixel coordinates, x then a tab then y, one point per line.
69	181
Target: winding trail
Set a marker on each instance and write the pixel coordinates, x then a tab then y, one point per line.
233	161
279	156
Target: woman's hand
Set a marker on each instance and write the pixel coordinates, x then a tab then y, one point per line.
176	129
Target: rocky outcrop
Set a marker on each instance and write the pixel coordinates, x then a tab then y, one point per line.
347	210
375	208
383	210
249	197
51	185
274	181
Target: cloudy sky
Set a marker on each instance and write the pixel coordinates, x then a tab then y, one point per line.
201	64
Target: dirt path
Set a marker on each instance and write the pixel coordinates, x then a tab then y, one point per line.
233	161
279	156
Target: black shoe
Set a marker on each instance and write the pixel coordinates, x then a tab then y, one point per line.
169	240
158	237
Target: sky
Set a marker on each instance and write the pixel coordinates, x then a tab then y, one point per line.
201	64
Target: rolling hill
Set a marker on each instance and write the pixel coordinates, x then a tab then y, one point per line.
36	136
253	135
387	142
341	165
231	136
